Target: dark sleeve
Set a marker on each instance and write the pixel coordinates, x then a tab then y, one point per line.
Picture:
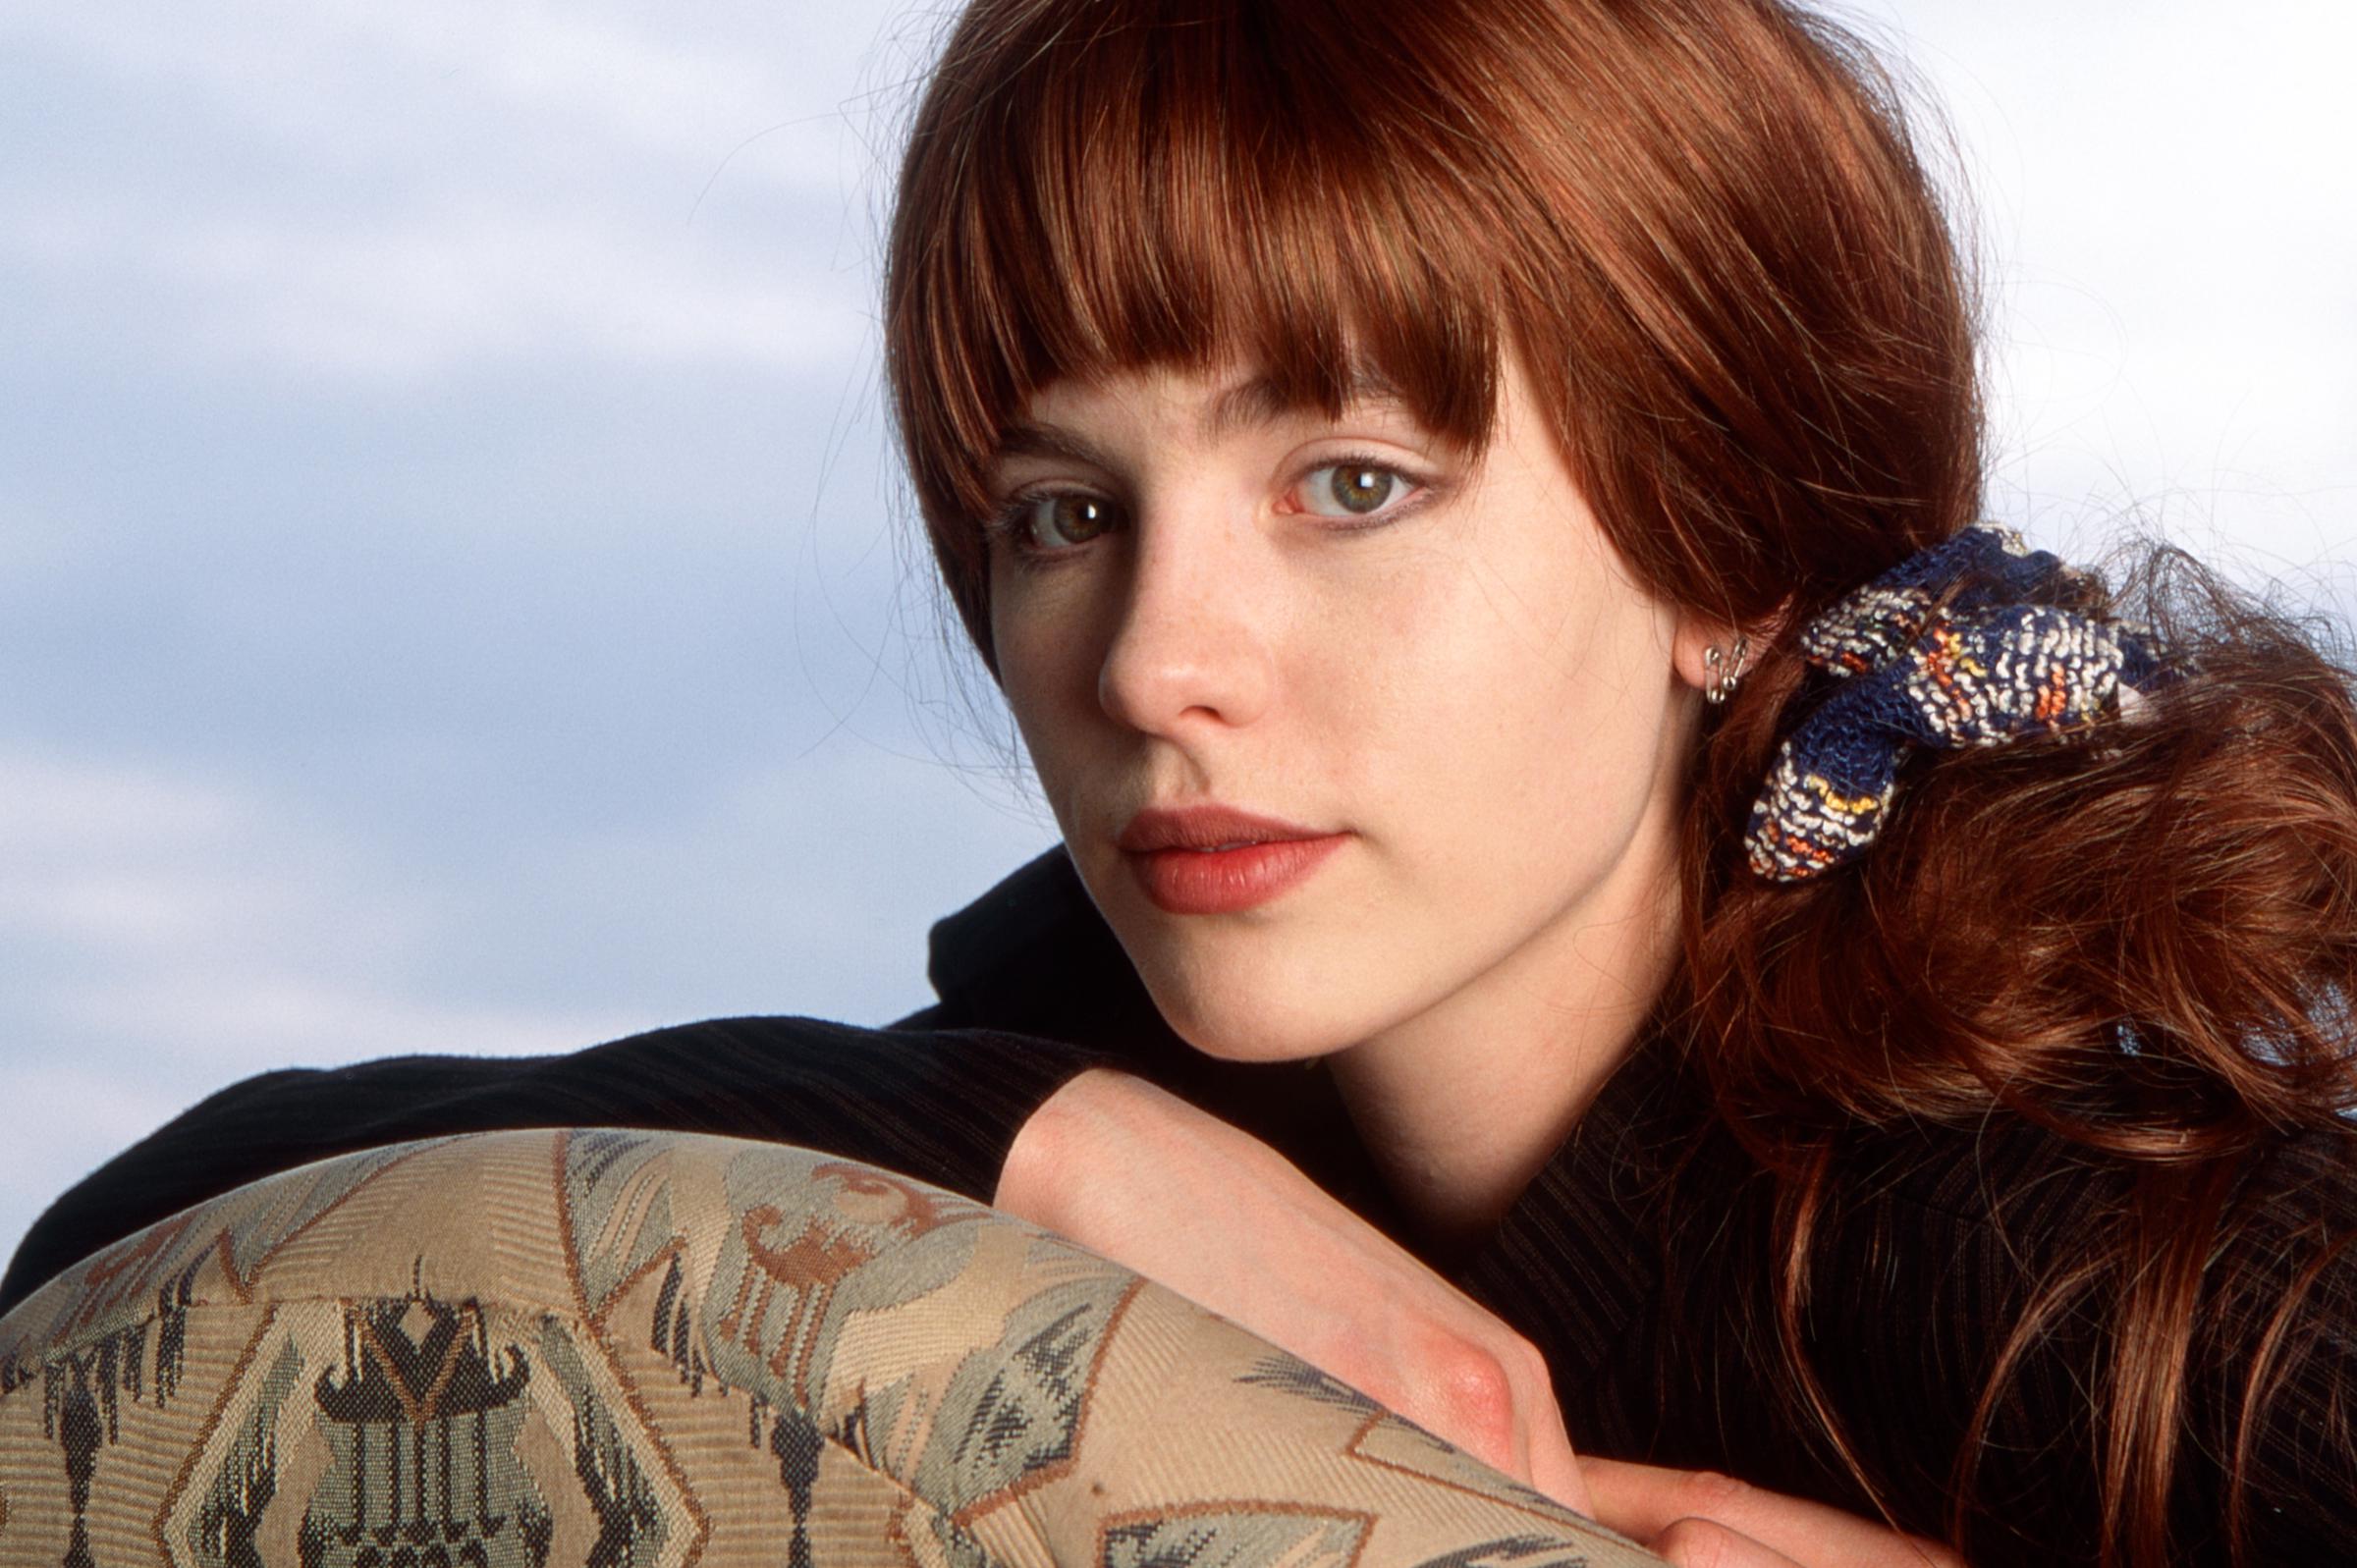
2278	1342
939	1105
1643	1261
2261	1434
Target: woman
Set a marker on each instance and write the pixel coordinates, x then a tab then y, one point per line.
1362	440
1412	469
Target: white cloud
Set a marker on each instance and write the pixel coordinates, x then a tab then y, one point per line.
428	292
345	78
135	867
85	1113
441	186
60	805
251	1022
408	293
2167	210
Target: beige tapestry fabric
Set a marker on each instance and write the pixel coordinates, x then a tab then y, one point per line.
627	1349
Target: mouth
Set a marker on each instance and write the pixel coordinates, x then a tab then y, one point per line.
1216	860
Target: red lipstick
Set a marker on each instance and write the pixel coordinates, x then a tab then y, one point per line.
1214	860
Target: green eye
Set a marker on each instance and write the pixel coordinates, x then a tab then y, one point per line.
1353	489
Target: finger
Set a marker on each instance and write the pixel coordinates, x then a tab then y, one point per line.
1708	1544
1646	1500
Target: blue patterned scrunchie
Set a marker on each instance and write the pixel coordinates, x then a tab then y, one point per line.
1977	665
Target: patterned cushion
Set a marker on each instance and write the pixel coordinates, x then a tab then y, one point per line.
628	1349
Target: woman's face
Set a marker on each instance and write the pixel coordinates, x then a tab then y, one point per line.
1458	724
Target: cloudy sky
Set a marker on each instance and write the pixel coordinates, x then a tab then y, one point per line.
454	596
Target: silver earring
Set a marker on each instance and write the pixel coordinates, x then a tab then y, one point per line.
1725	668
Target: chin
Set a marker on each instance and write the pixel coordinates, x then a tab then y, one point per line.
1279	1014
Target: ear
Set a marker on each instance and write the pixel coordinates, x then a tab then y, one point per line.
1737	646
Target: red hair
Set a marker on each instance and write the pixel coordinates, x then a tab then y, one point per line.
1703	229
1757	359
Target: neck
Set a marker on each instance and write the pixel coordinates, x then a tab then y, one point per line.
1461	1106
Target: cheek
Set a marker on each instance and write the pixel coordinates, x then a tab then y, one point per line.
1032	680
1043	667
1516	700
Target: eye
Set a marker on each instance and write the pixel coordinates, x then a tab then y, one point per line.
1046	524
1355	487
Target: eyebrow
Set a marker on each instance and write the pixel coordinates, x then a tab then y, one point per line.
1256	400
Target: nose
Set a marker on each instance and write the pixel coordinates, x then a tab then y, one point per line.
1191	646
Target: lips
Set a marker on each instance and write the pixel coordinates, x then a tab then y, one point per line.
1209	860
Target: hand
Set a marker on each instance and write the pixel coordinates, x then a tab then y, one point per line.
1699	1520
1142	1177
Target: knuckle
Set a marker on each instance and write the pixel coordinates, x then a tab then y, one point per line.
1709	1495
1476	1379
1474	1387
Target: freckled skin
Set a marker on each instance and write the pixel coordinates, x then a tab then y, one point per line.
1470	684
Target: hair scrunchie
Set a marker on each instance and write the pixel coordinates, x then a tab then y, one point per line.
1946	649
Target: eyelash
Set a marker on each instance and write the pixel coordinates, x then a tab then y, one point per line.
1007	524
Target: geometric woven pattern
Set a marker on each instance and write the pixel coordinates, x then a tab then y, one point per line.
620	1349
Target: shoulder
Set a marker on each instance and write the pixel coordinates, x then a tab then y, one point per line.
942	1106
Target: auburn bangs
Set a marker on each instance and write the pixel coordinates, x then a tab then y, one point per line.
1207	187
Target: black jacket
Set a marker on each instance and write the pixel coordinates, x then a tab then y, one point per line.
1637	1259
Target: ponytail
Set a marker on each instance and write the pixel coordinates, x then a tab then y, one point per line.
2138	939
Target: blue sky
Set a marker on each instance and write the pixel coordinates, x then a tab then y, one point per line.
454	594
